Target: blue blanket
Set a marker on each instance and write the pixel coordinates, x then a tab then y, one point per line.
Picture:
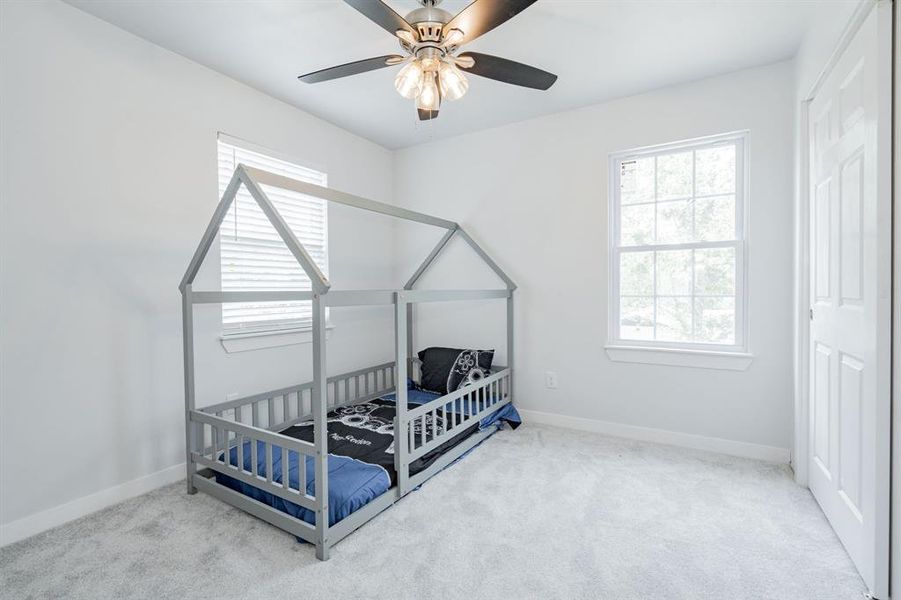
360	461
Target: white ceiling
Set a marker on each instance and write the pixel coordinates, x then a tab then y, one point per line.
601	49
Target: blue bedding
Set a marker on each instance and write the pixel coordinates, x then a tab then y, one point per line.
360	461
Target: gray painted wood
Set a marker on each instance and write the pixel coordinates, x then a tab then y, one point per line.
484	397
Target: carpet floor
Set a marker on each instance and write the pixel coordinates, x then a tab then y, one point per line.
539	512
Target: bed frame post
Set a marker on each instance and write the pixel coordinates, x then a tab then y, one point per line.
400	422
409	340
187	323
320	433
510	341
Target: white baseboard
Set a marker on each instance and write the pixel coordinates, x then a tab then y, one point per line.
661	436
58	515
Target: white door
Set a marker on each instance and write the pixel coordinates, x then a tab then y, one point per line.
850	229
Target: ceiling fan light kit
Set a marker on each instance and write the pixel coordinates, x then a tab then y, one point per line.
431	39
429	98
408	82
453	83
417	81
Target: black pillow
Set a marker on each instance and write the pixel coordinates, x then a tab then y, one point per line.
444	370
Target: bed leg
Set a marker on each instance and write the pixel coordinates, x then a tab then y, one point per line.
401	465
319	401
323	551
191	489
187	318
191	469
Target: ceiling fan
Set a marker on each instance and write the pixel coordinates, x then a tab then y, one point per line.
431	39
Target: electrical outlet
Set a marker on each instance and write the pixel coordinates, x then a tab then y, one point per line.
550	380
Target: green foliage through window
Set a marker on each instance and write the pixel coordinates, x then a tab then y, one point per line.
678	244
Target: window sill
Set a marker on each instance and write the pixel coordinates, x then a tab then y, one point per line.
679	357
258	340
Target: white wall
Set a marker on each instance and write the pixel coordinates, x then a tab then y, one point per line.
535	194
109	178
820	41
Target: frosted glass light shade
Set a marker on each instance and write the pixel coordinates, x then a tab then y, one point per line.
453	82
409	80
429	99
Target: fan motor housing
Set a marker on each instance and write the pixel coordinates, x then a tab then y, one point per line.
429	31
429	22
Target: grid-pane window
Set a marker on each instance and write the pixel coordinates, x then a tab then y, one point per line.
678	245
253	256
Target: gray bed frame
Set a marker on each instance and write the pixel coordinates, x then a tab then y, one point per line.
212	432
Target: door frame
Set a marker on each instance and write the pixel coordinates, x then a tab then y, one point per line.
895	543
801	442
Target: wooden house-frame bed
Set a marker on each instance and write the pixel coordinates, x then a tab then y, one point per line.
219	436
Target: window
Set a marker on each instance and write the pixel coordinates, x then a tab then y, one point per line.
252	255
678	246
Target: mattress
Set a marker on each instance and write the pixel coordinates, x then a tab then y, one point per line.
361	455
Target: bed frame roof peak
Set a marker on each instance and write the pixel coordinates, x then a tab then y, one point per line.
252	179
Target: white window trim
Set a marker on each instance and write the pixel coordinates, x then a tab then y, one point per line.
715	356
680	357
278	334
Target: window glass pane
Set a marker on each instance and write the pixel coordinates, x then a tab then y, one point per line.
636	181
636	318
674	222
715	219
636	273
674	273
715	320
674	173
715	272
674	319
715	171
637	224
667	201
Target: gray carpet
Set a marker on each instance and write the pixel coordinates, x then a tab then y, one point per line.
535	513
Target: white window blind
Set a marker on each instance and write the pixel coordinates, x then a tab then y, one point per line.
678	245
252	255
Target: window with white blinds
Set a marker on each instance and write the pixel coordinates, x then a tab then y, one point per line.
252	255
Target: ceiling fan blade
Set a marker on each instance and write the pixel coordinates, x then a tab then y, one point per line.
508	71
426	115
353	68
484	15
382	15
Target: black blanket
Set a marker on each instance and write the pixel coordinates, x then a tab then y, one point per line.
365	432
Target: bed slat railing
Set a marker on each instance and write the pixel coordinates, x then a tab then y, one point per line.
436	422
279	409
238	437
234	449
